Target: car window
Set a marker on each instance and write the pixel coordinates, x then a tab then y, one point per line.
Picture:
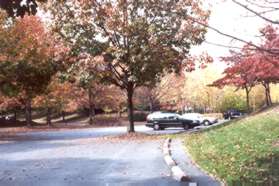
172	117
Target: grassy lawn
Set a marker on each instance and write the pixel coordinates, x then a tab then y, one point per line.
245	152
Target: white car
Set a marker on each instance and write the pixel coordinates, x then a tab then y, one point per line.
202	119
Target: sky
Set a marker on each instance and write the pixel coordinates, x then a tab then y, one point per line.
234	20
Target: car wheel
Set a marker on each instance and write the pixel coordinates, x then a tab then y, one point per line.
186	127
206	123
156	126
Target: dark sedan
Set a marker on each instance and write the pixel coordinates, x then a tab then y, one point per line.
232	114
160	121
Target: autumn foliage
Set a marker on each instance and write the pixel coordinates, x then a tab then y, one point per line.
139	40
29	57
250	66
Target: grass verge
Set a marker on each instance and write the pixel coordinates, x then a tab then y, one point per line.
246	152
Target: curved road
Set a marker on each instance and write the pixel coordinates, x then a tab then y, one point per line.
79	157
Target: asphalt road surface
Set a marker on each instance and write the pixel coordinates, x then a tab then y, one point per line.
81	157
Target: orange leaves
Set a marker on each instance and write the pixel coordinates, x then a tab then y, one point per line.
29	40
30	54
7	103
200	61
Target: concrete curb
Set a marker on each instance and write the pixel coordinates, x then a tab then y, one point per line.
170	162
176	171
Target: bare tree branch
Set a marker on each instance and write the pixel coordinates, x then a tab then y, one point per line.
255	12
271	51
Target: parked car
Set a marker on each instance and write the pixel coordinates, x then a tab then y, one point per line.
202	119
232	114
157	114
6	119
162	120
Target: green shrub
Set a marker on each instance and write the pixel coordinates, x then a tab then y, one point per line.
140	116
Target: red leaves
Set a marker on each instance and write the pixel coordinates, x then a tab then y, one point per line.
251	66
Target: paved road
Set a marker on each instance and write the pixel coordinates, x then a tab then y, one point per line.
79	157
101	132
95	132
83	162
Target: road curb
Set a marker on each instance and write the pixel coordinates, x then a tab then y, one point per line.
169	161
176	171
178	174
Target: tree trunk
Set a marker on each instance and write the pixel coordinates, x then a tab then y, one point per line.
269	95
130	106
28	112
268	100
91	106
119	114
63	117
150	104
247	99
49	116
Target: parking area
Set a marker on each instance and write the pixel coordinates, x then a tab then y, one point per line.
82	157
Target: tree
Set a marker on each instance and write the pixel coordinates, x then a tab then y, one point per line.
250	67
232	100
58	97
141	40
11	104
146	98
239	72
106	97
30	56
84	73
20	7
266	65
173	90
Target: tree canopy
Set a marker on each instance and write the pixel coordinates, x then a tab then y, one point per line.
250	67
29	57
138	40
20	7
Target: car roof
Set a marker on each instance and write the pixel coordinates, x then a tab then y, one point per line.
164	113
192	114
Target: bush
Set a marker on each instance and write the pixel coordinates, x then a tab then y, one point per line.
233	102
140	116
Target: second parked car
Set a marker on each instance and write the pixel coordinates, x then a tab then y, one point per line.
162	120
202	119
